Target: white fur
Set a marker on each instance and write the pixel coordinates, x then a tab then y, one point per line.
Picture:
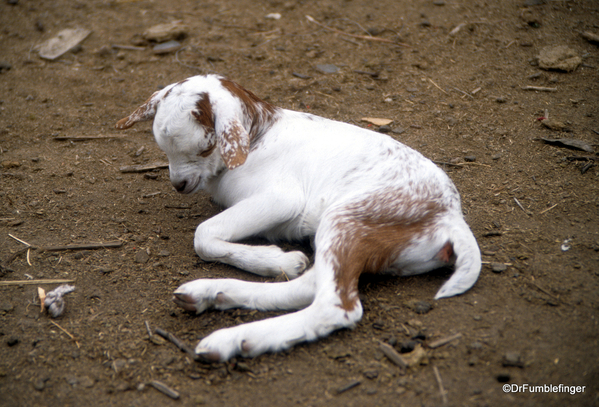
305	176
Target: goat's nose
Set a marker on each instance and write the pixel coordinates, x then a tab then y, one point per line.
180	185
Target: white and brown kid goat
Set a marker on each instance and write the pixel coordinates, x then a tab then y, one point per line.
370	203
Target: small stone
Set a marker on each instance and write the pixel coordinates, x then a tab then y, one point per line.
39	384
72	380
11	164
385	129
470	158
371	374
166	32
4	66
498	268
420	307
398	130
561	58
327	68
273	16
512	358
336	352
501	99
495	157
163	253
554	124
475	346
142	257
166	47
6	307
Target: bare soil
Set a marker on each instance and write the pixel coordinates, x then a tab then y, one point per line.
532	318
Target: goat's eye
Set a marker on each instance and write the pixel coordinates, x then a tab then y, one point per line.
208	151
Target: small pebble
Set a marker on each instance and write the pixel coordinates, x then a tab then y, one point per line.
142	257
420	307
166	47
512	358
498	268
384	129
470	158
40	384
327	68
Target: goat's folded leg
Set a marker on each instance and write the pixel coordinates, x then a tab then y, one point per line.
202	294
251	217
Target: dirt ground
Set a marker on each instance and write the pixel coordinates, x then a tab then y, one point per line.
455	93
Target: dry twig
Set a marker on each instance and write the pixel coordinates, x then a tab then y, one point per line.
393	355
177	342
29	282
163	388
362	37
143	168
68	333
539	88
444	341
441	387
84	138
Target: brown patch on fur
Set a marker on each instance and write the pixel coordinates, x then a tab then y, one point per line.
205	117
203	113
146	111
368	242
261	113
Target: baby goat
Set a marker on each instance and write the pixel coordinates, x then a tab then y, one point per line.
370	203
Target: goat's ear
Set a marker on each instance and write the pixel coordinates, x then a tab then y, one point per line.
233	142
147	111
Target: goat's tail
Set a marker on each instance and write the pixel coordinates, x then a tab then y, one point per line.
467	264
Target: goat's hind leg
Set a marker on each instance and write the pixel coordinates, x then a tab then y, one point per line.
325	314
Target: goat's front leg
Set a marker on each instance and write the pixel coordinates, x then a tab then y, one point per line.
202	294
250	217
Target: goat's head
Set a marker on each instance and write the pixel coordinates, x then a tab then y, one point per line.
205	125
